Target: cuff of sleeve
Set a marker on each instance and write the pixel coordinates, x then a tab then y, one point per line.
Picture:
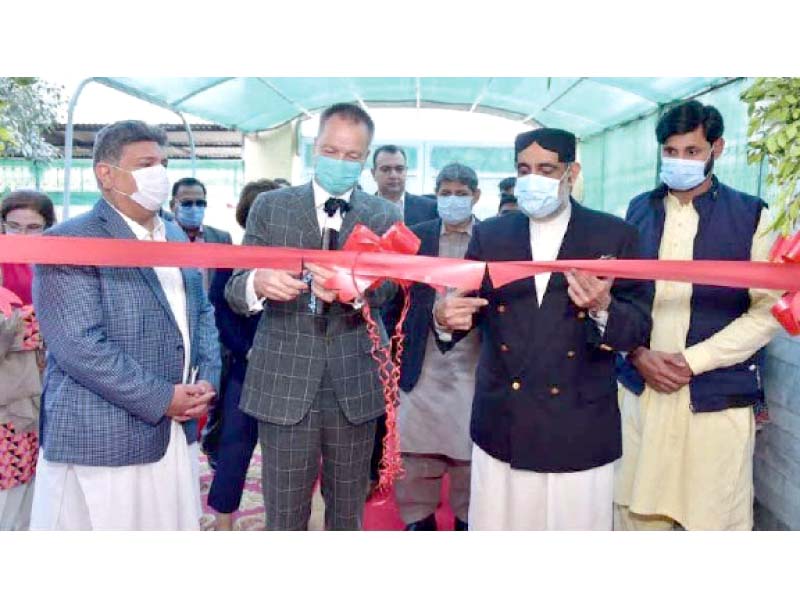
441	333
162	400
600	317
254	304
699	359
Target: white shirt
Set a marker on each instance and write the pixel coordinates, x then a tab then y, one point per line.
401	204
546	237
256	304
546	240
171	281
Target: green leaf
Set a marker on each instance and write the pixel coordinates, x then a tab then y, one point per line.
772	145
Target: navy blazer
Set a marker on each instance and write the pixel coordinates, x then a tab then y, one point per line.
419	320
545	391
418	209
236	332
114	351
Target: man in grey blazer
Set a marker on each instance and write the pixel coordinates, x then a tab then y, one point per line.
311	381
133	360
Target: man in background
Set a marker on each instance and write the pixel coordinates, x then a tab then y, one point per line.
437	388
508	201
390	169
188	204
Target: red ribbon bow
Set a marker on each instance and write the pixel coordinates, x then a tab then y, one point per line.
398	239
787	309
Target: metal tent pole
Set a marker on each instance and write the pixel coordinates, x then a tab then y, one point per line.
73	101
191	141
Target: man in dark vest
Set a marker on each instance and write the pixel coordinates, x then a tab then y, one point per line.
687	397
545	421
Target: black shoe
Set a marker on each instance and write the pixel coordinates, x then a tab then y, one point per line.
426	524
460	525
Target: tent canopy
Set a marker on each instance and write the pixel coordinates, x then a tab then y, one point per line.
584	105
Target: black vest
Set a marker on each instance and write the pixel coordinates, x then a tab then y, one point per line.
728	221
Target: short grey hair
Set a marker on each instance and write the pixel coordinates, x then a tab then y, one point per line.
111	139
456	172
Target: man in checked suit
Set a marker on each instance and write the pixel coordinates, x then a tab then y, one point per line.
119	430
311	381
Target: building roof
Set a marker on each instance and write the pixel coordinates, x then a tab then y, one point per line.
211	141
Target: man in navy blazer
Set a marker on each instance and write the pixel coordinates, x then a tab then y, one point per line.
133	360
545	420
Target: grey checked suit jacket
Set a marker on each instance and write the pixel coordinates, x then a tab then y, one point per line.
114	352
290	354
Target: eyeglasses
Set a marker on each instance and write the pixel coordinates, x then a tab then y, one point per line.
31	229
190	203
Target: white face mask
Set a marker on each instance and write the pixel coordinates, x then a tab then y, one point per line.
539	196
152	186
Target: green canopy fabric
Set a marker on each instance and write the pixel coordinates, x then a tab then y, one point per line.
584	105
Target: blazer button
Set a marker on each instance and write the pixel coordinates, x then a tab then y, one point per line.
571	354
504	347
554	391
516	385
180	347
501	308
582	314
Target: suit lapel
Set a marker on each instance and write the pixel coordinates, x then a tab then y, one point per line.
118	228
556	300
306	217
519	248
355	215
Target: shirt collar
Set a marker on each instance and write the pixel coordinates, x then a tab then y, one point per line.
321	195
560	221
159	232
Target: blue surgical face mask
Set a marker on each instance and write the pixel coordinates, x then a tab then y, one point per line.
190	216
539	196
336	176
682	174
454	209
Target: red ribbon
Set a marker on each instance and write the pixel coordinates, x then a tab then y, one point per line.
366	259
397	240
786	250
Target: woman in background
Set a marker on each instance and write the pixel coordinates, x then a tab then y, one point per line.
238	432
22	212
